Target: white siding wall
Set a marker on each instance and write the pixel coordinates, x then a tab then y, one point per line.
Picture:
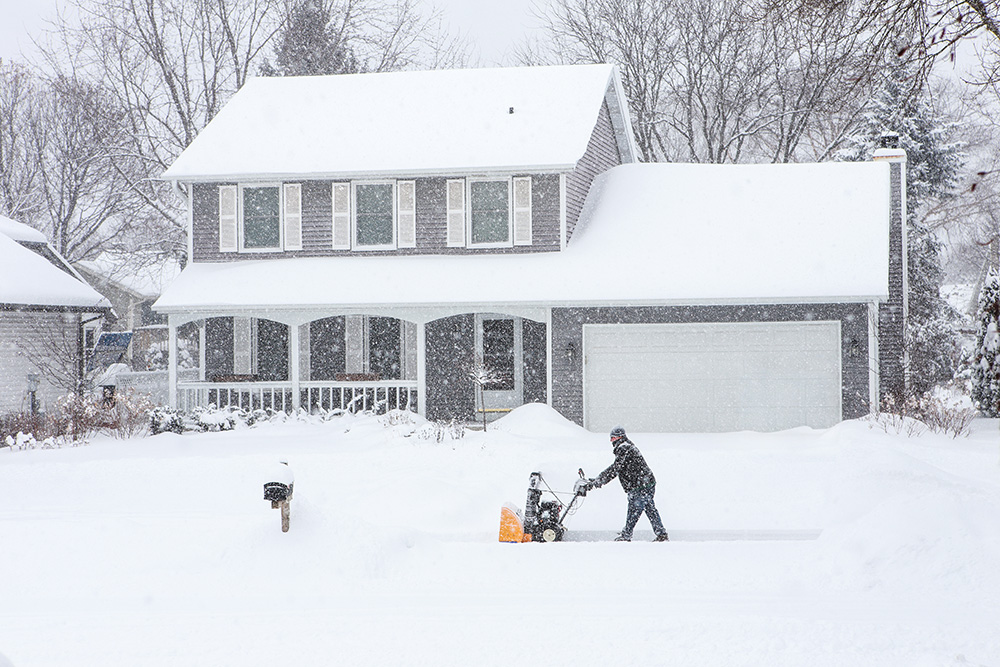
15	329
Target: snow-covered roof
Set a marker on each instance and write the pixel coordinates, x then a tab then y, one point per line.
441	121
28	279
20	231
650	234
144	280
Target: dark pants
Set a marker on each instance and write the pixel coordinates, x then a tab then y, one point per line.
639	501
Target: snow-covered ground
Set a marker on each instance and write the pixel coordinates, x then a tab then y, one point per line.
162	551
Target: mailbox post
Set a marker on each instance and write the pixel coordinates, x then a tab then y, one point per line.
279	492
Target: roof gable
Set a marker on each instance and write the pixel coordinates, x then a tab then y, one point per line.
440	121
28	279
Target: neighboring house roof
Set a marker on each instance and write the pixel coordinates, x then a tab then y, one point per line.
430	122
20	231
142	282
650	234
29	280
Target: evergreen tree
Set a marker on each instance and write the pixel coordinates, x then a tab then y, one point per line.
309	44
986	363
933	165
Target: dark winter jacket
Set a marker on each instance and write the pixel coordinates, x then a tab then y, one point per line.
629	467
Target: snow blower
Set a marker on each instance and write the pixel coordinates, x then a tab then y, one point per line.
543	519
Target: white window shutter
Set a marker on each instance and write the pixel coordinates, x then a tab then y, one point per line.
406	214
227	218
292	202
456	213
242	345
522	210
341	216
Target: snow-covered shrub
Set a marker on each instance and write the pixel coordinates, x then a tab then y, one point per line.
79	417
27	441
439	431
931	411
212	418
986	363
23	422
165	420
128	414
897	416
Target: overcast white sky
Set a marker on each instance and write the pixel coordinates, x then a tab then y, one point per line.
494	26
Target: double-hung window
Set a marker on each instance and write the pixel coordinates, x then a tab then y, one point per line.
489	212
261	217
374	215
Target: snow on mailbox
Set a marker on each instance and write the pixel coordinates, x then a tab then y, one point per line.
279	491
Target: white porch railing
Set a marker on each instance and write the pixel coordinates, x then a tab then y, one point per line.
315	395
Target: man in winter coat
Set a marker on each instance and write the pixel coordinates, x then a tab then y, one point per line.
637	481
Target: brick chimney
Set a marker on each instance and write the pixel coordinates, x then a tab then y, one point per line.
892	314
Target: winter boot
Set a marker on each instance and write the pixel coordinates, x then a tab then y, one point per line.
661	538
622	538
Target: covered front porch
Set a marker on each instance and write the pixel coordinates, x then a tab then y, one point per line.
420	359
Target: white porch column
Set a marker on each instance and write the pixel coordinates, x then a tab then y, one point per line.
172	357
422	369
548	356
202	354
293	357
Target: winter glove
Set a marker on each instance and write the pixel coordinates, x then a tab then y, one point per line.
592	484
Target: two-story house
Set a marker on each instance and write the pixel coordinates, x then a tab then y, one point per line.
376	238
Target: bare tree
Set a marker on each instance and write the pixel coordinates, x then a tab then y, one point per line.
723	80
19	178
169	65
88	200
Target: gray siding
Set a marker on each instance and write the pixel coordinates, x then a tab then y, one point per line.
450	345
567	342
218	347
602	154
43	332
533	341
892	324
317	223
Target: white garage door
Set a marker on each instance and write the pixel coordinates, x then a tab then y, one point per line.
760	376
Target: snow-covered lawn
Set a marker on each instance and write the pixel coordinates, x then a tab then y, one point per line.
162	551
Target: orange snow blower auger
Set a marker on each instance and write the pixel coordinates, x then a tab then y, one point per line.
543	519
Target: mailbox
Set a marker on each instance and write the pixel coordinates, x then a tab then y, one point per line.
279	492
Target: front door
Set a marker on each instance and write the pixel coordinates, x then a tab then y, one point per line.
499	345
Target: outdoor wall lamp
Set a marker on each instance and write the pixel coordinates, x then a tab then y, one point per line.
571	352
33	381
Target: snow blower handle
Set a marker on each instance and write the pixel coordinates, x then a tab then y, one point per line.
582	485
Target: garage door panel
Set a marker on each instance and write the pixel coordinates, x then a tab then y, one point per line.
712	377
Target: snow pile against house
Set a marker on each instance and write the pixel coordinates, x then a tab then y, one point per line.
412	122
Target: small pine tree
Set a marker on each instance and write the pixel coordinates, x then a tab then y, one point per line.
933	165
986	363
309	45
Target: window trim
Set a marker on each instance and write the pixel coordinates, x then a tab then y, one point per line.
240	221
354	216
509	243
